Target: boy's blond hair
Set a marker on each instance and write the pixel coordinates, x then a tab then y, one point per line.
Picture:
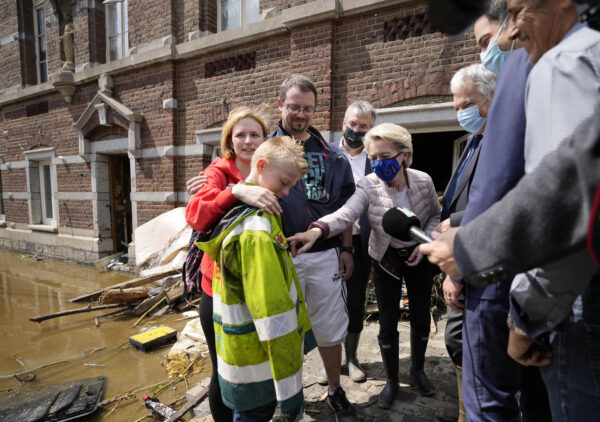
283	152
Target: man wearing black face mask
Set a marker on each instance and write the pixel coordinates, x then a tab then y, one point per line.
359	118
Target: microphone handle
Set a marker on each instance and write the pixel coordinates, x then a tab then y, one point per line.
419	235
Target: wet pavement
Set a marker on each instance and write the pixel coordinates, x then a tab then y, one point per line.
409	406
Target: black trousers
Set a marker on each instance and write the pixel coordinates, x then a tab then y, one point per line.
389	292
220	412
356	288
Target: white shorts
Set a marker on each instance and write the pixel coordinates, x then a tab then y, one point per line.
324	293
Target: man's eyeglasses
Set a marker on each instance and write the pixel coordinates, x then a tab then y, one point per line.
293	108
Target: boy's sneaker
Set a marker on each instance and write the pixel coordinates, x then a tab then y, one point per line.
343	410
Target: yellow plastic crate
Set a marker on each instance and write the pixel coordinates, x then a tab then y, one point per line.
153	337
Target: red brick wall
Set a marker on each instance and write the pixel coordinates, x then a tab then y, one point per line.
208	15
311	55
16	211
143	91
18	57
149	20
154	174
74	177
389	73
148	210
187	18
203	100
13	180
76	214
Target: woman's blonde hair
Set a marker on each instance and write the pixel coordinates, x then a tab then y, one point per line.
395	134
283	152
235	116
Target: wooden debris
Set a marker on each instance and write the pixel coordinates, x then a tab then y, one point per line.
88	308
148	303
149	310
131	283
189	405
124	295
175	294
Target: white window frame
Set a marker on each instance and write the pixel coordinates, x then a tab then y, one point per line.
2	214
243	17
43	192
40	39
121	7
36	188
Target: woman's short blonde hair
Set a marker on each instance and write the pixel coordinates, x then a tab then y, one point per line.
283	152
235	116
395	134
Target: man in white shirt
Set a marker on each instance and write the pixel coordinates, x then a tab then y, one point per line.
359	118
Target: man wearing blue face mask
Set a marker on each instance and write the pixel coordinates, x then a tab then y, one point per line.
490	377
472	88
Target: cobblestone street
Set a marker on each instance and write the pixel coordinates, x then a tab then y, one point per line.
410	405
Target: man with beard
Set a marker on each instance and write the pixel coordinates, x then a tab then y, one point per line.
324	189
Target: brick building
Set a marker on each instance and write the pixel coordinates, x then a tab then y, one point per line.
99	140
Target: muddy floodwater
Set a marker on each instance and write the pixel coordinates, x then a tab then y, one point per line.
70	348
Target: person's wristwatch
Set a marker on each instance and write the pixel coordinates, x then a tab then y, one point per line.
348	249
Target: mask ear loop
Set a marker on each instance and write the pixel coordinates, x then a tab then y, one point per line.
504	24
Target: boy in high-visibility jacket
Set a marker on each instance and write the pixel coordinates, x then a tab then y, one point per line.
261	322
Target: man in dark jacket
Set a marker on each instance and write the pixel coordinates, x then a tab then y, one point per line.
359	118
325	188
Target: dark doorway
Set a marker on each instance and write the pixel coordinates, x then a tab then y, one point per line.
120	201
433	154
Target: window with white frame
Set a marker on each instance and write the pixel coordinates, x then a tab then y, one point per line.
39	26
235	13
46	197
1	200
117	33
41	180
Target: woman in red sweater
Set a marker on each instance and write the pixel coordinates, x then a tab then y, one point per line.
242	133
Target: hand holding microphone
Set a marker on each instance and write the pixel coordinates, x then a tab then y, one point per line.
404	225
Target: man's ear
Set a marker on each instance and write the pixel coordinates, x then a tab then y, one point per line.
279	103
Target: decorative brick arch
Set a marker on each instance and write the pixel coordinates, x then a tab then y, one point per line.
433	84
105	116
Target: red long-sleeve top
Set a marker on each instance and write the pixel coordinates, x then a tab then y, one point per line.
211	203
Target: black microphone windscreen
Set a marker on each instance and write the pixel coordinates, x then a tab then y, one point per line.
397	223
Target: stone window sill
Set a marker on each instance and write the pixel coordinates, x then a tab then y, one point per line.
50	228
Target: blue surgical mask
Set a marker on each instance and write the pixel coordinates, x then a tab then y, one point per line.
470	119
387	169
493	58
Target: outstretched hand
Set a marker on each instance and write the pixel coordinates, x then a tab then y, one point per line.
441	251
307	239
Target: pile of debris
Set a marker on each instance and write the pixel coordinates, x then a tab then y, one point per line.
156	294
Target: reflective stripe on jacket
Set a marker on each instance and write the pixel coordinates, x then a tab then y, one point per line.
260	317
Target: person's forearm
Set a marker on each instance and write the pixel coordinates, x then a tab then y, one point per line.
544	218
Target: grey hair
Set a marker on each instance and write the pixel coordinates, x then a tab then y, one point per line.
498	11
483	78
364	108
301	82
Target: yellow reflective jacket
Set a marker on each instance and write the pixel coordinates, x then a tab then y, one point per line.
260	317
